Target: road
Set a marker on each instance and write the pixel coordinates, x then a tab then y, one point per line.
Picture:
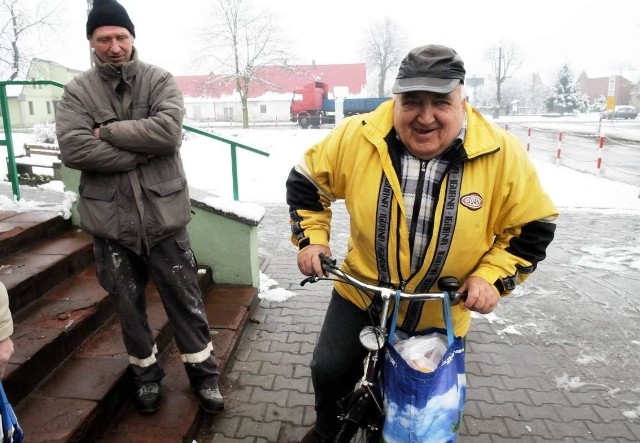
579	146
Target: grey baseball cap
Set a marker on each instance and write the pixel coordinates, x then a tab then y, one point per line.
431	68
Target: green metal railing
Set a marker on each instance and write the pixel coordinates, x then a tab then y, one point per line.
8	142
234	159
6	122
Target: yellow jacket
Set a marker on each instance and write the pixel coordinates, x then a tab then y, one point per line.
492	219
6	322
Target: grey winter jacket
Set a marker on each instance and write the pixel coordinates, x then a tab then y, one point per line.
133	187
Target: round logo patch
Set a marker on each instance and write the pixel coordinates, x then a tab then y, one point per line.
472	201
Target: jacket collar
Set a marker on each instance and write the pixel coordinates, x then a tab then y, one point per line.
125	70
479	138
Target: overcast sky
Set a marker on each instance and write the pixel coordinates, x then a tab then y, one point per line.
598	36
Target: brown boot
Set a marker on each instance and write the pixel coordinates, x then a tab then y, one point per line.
312	437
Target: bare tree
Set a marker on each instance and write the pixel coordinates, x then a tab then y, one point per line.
384	49
17	22
243	38
505	60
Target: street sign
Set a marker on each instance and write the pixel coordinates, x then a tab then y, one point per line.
475	81
611	93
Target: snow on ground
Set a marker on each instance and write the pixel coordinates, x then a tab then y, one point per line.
262	179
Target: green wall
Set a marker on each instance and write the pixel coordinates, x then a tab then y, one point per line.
225	242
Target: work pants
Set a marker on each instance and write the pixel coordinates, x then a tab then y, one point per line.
172	266
337	362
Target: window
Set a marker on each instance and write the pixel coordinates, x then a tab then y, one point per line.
228	113
30	108
48	107
263	109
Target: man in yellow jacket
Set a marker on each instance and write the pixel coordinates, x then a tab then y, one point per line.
432	189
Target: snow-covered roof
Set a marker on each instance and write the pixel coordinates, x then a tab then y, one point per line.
277	79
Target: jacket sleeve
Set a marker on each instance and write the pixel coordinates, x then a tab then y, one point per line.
313	184
159	133
79	148
524	226
6	322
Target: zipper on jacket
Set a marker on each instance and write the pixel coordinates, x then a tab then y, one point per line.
398	240
416	207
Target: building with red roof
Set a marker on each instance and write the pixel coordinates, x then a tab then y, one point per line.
214	98
599	87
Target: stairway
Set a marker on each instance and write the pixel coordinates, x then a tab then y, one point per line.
68	378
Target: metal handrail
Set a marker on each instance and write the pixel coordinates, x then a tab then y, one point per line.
234	160
6	121
8	142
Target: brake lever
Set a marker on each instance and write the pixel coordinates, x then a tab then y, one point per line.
312	279
327	262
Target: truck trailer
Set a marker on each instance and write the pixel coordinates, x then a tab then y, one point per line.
311	105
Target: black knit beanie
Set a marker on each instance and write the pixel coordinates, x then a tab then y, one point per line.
108	13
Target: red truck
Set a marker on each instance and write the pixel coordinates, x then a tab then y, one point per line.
311	105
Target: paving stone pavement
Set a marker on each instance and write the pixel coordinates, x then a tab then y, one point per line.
558	361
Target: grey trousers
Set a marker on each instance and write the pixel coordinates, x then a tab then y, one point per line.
337	362
172	266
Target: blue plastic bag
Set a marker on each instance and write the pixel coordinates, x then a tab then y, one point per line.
11	430
424	407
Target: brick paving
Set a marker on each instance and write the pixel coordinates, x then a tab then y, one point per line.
557	362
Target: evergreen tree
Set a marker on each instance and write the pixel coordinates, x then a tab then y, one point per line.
566	96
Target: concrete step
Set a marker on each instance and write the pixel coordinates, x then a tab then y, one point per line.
68	378
82	395
33	271
47	331
229	309
19	230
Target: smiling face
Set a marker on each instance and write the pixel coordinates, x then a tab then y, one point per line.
112	44
427	122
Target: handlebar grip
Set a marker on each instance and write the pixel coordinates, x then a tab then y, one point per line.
457	298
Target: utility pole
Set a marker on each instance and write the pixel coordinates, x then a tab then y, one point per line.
89	6
498	82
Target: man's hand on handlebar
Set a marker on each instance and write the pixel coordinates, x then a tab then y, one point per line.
482	296
309	260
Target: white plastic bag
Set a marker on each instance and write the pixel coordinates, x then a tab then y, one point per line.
422	352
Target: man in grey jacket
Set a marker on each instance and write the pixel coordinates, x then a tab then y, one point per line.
120	123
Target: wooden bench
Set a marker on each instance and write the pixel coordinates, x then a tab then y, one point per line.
25	165
39	156
42	149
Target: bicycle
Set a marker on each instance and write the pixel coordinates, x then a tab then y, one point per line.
362	411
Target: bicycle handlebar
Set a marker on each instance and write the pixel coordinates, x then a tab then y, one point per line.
447	285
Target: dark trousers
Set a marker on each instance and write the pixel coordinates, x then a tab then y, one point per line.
337	362
172	266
